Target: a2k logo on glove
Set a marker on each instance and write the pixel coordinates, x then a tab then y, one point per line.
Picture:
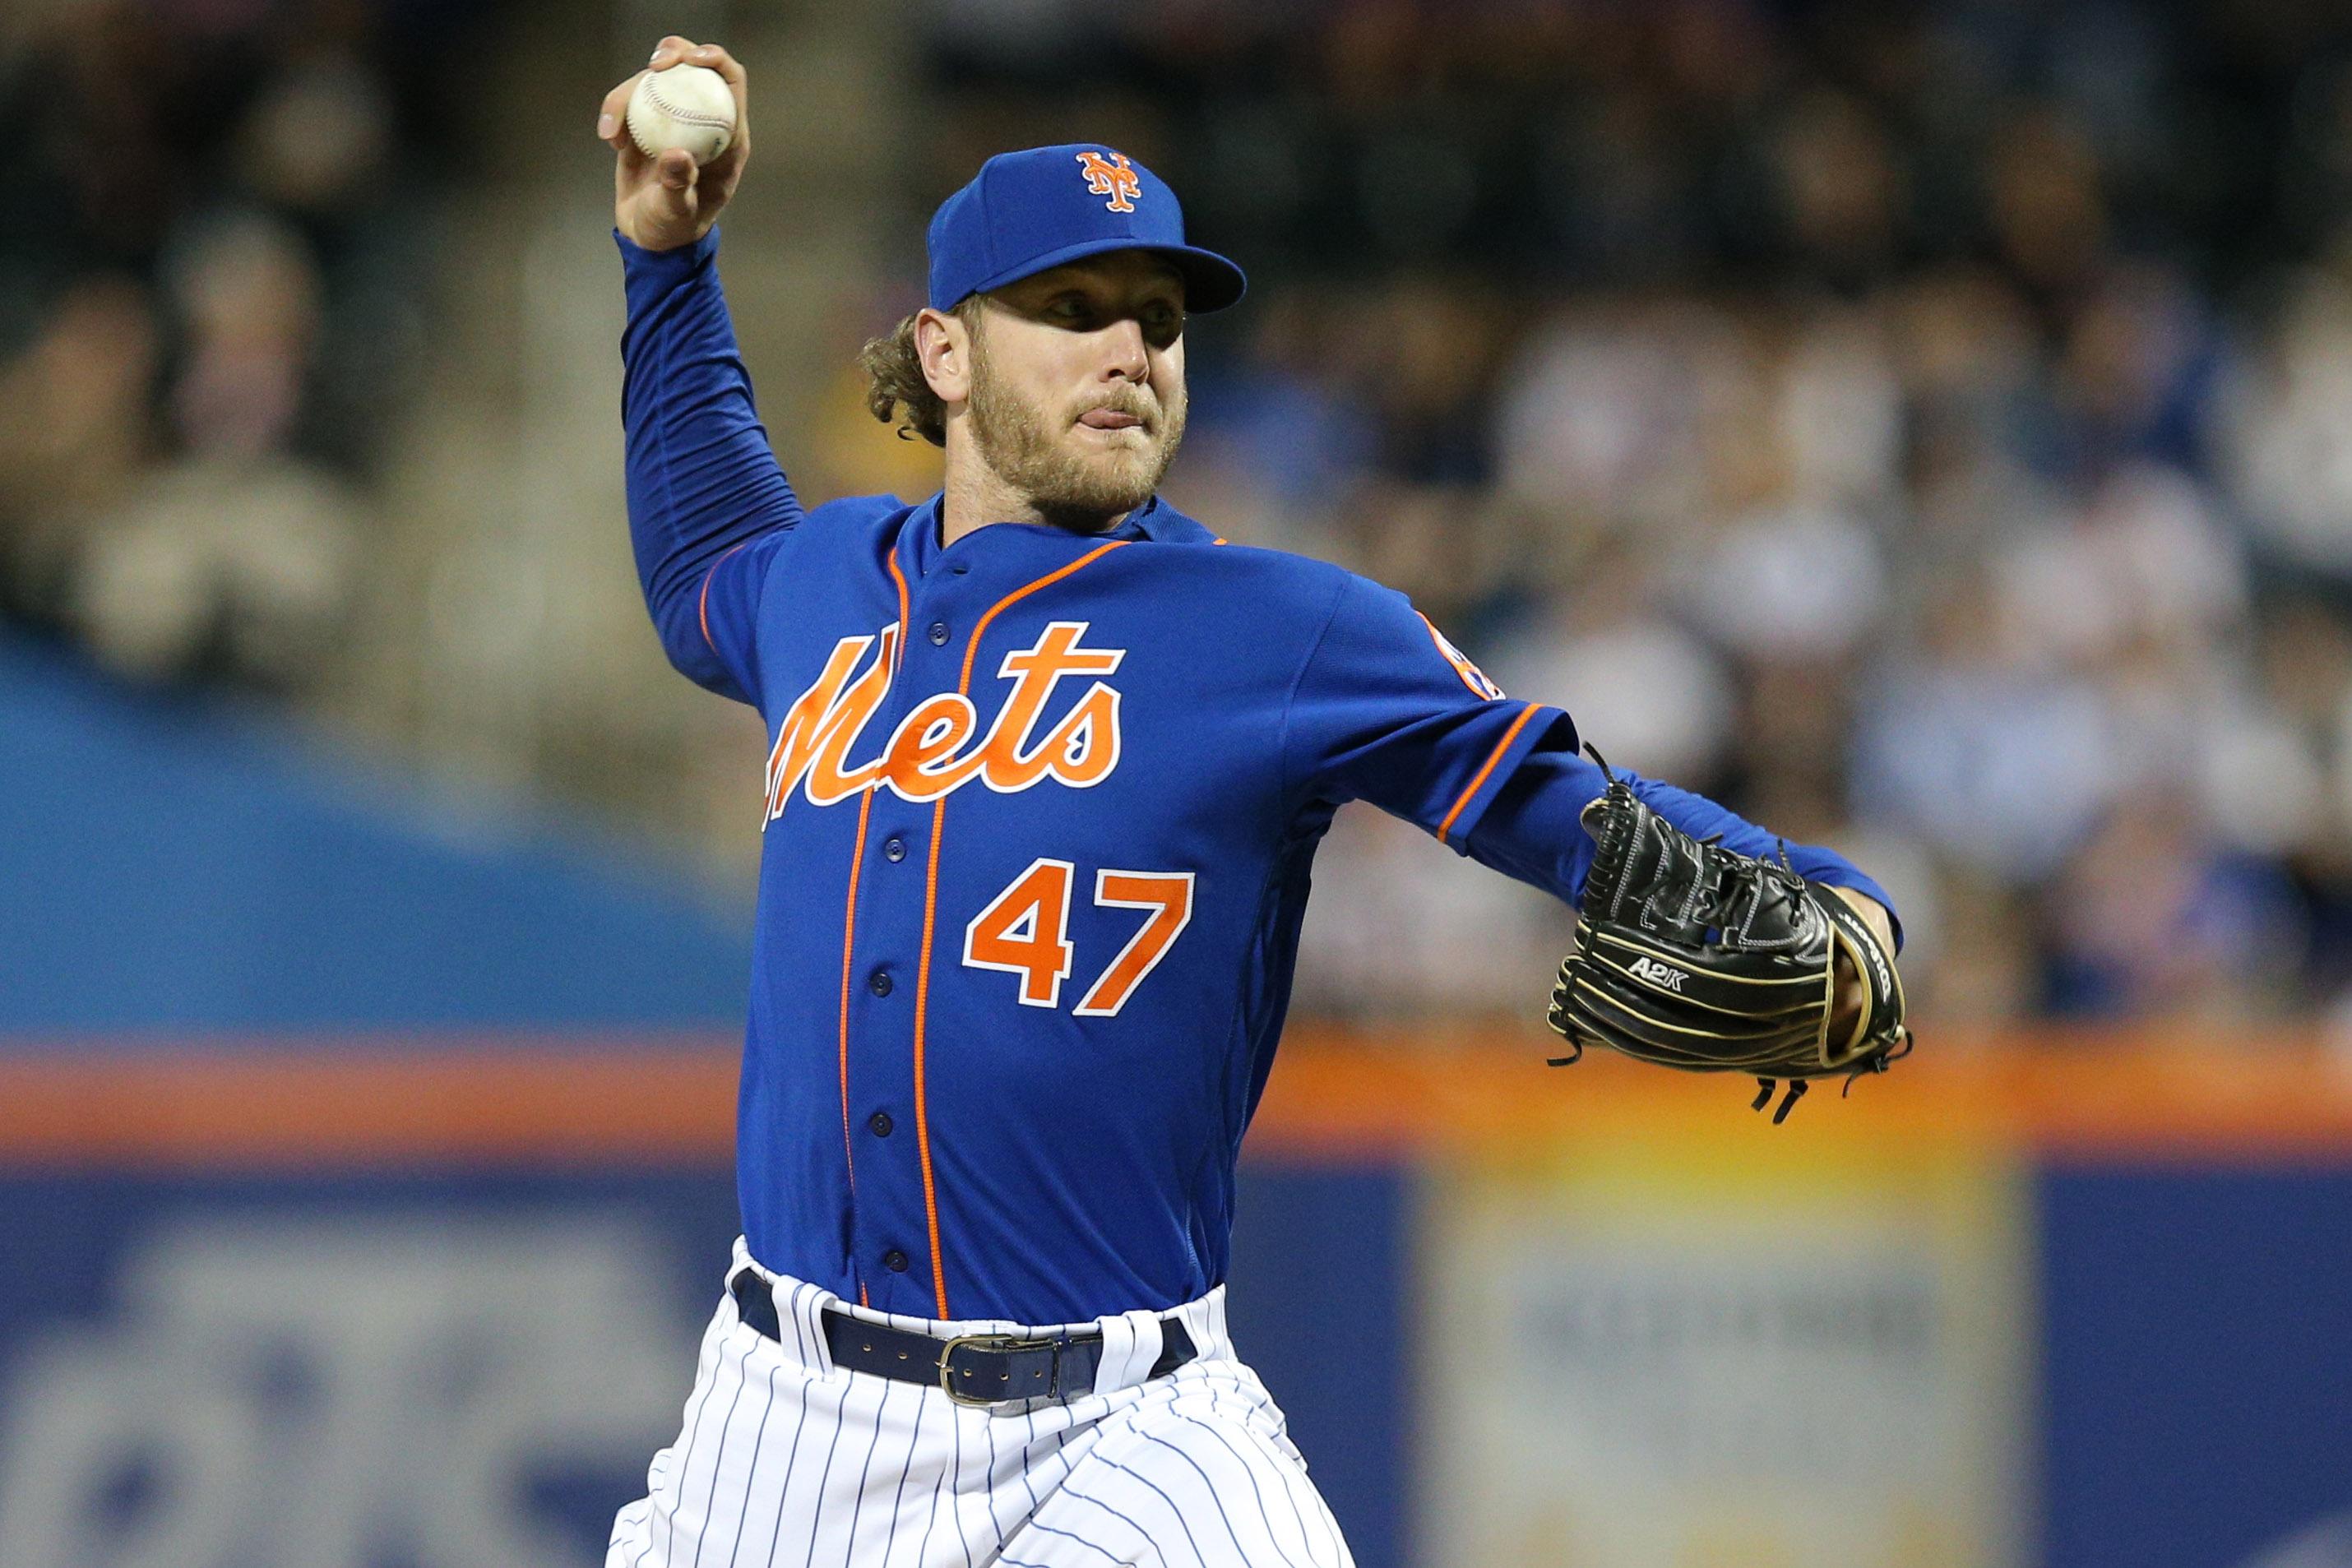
1658	974
939	746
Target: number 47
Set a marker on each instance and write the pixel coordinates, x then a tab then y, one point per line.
1025	931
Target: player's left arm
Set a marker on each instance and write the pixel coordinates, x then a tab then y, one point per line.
1385	710
1533	831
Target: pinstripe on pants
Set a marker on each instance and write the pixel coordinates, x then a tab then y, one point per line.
784	1462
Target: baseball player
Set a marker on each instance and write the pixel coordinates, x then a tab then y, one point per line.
1047	766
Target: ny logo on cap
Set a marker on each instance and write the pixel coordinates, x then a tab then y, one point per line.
1114	177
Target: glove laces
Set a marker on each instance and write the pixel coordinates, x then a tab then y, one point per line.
1767	1087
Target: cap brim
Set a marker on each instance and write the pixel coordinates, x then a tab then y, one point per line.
1210	282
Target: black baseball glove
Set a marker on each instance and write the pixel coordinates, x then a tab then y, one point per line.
1692	955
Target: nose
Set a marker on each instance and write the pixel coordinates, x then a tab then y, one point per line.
1125	353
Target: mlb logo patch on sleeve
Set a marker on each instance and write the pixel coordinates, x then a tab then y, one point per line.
1472	676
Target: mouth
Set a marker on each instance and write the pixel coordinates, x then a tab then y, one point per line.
1110	419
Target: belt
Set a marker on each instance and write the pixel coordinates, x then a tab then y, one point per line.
970	1369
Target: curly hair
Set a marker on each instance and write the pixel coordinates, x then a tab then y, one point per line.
894	378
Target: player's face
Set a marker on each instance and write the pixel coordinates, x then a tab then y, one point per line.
1077	382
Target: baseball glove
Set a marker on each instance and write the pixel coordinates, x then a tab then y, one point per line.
1692	955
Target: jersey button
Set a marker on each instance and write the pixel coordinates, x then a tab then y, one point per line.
939	633
895	1260
879	982
879	1123
895	851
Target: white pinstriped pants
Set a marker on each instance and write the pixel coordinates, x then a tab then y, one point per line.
786	1462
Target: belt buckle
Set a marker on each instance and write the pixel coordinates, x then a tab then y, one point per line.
1002	1344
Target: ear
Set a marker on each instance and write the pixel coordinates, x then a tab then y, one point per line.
943	348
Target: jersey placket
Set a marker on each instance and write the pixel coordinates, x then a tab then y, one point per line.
892	1219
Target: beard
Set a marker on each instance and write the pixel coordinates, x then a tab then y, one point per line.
1030	448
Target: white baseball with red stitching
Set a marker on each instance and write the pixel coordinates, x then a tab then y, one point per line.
688	107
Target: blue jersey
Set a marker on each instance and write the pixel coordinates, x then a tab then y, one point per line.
1039	812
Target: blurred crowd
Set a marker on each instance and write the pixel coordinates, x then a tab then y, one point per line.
1927	427
214	243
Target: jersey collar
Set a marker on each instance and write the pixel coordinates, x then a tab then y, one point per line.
1155	520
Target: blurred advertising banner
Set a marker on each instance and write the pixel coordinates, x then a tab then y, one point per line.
269	1372
2074	1299
432	1302
358	1303
1699	1351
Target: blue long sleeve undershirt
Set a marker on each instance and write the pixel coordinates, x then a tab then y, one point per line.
701	476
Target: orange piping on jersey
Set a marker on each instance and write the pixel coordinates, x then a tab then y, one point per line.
1220	542
702	604
899	578
849	920
850	924
930	918
1501	745
972	648
922	1099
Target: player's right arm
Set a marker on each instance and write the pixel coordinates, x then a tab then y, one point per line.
708	503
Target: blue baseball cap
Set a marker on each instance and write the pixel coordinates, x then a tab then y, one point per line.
1026	212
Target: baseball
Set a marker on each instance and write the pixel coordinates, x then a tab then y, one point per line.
688	107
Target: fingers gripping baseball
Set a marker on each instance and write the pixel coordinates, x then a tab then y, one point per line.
665	200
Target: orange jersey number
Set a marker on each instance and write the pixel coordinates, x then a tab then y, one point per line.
1025	929
1168	894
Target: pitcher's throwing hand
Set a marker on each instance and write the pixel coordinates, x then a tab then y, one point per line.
663	202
